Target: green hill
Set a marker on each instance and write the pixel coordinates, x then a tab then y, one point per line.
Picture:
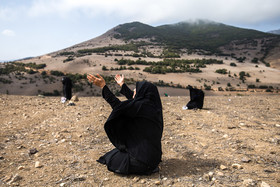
204	35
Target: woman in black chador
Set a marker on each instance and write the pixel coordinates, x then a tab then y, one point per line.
134	127
197	99
67	87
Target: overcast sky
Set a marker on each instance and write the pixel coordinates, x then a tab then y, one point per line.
36	27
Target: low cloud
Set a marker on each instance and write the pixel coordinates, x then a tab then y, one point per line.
8	32
249	11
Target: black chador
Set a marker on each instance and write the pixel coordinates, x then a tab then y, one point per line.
197	98
135	128
67	87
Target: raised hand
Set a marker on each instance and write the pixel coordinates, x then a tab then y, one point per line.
98	80
119	79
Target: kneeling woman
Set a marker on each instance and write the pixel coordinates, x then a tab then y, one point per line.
134	127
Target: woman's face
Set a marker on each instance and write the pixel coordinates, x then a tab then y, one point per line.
134	93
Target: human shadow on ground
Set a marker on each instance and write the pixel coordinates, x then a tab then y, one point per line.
189	165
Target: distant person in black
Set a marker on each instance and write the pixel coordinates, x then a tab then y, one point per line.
134	127
67	87
197	99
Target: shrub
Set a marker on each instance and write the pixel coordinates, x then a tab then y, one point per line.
263	87
220	89
207	87
233	64
70	58
5	81
31	71
221	71
104	68
57	73
255	60
251	86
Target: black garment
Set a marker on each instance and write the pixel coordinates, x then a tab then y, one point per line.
67	87
135	128
197	98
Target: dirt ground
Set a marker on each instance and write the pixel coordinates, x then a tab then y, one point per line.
233	141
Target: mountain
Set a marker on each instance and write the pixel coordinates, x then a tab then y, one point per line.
205	54
275	31
200	35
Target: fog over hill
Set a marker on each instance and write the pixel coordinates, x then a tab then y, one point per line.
275	31
205	54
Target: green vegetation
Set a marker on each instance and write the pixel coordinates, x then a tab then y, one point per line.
20	67
70	58
233	64
170	54
207	36
255	60
57	73
124	68
207	87
260	87
128	47
171	65
67	53
104	68
243	75
5	81
221	71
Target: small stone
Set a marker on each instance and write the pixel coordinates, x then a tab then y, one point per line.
225	136
249	182
242	124
7	178
203	144
82	178
157	183
277	125
142	181
135	179
33	151
220	174
20	167
222	167
208	176
75	98
178	118
264	184
15	179
106	179
246	160
38	164
62	184
237	166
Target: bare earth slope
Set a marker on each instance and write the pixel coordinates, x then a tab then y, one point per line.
234	141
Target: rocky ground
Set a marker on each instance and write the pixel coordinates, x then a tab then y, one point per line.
233	141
